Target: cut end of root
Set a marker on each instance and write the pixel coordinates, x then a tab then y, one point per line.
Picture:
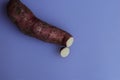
69	41
65	52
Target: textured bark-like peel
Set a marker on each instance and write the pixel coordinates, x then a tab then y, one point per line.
29	24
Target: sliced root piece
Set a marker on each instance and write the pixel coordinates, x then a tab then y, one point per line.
69	41
64	52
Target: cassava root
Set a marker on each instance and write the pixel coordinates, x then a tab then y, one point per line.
29	24
64	52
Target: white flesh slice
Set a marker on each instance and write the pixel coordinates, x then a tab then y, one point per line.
69	42
65	52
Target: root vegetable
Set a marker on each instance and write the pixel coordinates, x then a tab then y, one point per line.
64	52
29	24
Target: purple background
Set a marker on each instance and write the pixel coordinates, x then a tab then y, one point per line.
95	54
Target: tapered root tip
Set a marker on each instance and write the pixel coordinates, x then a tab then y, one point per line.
69	41
65	52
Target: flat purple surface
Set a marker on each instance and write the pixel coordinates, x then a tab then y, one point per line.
95	54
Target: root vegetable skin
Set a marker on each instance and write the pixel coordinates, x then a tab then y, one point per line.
32	26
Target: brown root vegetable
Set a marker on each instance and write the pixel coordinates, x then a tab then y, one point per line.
32	26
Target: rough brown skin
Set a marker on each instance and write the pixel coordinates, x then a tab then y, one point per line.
31	25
